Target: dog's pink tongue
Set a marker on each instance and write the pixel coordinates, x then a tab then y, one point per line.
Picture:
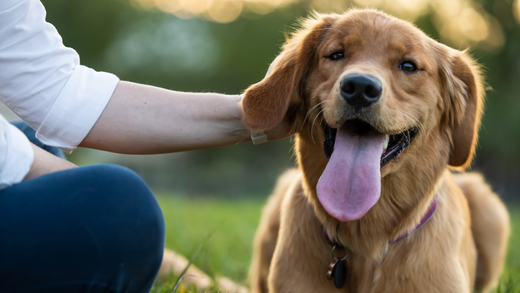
351	182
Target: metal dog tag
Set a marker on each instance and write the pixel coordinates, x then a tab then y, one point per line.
339	273
338	268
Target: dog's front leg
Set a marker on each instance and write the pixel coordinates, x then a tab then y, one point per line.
302	256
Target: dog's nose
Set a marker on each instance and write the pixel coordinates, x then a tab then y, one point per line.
360	90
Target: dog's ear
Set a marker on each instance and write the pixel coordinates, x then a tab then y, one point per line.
266	103
463	104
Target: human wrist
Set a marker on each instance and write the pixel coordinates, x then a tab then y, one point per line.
255	136
45	163
238	128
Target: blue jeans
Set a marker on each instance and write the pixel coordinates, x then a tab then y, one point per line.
89	229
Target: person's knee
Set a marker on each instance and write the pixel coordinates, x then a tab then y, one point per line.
99	220
130	193
117	183
140	222
129	200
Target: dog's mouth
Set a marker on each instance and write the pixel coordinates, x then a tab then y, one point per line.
393	144
351	182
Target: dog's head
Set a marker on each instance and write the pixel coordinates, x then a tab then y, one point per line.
385	98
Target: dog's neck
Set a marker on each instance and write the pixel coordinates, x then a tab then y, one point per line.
405	196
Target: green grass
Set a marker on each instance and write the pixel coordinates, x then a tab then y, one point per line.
228	251
510	281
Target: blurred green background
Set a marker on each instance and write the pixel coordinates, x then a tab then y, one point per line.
226	45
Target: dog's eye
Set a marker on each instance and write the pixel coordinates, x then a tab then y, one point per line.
337	56
408	67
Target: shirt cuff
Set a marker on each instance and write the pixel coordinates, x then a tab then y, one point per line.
19	156
77	108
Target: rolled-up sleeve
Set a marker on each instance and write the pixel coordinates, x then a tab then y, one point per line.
43	82
16	154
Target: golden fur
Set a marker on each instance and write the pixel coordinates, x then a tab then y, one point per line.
444	100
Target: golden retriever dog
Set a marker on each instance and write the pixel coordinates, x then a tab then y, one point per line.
381	113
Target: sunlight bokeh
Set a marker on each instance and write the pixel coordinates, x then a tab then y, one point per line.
461	23
222	11
464	23
516	10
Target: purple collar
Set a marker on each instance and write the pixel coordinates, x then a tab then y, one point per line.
427	216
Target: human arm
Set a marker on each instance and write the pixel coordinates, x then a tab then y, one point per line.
141	119
193	121
145	119
45	162
45	85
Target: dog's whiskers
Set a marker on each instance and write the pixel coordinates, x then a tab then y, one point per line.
313	122
421	127
311	110
412	119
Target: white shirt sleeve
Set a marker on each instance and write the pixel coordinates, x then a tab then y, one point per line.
43	82
16	154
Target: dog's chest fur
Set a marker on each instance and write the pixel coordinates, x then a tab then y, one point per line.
393	267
